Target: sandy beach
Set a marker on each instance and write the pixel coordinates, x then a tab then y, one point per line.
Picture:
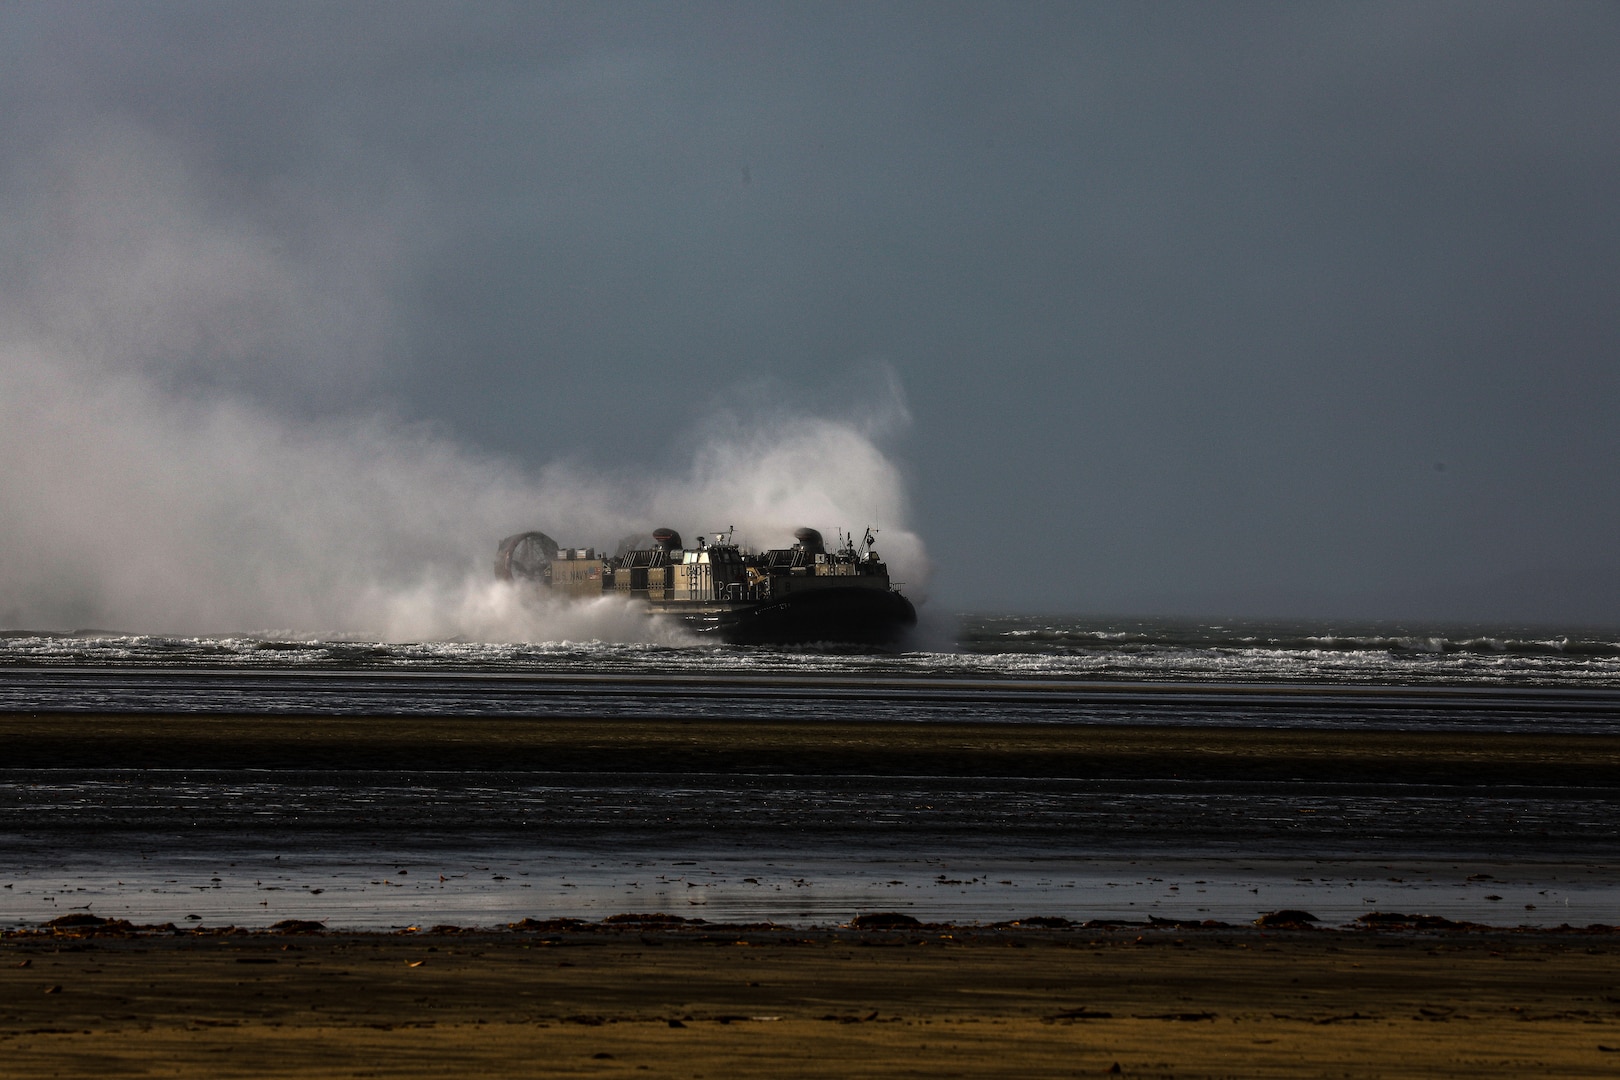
694	1000
357	823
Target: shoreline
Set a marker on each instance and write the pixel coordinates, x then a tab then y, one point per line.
228	816
300	817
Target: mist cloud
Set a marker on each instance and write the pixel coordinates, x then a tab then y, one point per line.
154	478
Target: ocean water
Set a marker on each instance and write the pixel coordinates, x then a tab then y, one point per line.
1010	668
958	647
368	844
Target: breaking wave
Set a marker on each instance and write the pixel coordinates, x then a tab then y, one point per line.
984	647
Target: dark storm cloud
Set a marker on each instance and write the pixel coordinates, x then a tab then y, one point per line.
1221	309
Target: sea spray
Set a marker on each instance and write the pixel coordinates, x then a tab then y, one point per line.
138	508
196	436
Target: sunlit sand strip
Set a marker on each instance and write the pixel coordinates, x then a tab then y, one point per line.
889	1002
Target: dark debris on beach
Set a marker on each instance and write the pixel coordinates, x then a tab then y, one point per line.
877	925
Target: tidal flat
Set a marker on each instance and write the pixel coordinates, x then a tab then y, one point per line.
373	823
1085	897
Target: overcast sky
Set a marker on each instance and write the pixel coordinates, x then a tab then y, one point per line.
1205	308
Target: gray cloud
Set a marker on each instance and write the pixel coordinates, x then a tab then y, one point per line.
1224	310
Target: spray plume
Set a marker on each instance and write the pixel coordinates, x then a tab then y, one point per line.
153	481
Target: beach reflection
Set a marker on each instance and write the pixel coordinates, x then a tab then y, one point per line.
355	888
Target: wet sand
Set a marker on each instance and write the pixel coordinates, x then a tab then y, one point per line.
712	1001
483	743
374	822
704	1000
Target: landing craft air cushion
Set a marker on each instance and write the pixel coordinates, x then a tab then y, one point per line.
794	595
